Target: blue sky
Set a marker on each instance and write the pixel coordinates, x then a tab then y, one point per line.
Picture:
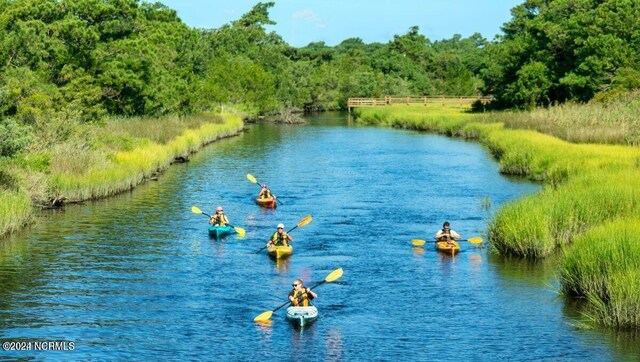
300	22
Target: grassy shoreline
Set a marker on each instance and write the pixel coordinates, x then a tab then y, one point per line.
113	162
587	194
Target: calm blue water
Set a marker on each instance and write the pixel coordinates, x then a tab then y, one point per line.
137	277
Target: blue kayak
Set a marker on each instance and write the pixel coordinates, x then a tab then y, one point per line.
220	232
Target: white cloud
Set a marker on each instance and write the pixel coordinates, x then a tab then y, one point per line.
310	16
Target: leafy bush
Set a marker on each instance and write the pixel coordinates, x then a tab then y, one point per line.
13	137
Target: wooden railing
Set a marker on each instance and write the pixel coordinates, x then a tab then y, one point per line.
425	100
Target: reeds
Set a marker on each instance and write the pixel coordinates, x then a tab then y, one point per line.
161	130
447	119
603	265
613	123
536	225
108	173
15	211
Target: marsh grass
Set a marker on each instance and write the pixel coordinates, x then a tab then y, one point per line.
617	122
485	203
15	211
432	118
603	266
94	173
536	225
161	130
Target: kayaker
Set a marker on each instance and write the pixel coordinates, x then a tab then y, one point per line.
280	237
219	218
265	193
299	295
446	234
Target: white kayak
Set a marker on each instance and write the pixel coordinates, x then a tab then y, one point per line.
301	316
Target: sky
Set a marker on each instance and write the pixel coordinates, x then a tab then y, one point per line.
300	22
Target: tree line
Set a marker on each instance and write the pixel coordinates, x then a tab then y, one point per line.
70	62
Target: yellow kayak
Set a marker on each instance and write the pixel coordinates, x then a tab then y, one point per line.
445	247
279	252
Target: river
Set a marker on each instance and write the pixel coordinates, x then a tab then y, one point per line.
137	277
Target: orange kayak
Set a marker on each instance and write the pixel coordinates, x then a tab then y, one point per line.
451	249
268	202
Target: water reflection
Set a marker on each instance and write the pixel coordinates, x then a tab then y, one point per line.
265	329
535	271
282	264
475	262
626	343
447	258
334	344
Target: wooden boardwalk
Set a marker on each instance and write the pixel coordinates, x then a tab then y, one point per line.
424	100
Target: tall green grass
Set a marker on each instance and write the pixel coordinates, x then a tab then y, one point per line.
98	173
615	122
15	211
535	226
603	266
431	118
162	130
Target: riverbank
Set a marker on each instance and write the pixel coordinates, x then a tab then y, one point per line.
588	188
102	161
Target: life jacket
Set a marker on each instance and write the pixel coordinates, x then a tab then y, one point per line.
300	298
446	236
279	239
266	194
218	219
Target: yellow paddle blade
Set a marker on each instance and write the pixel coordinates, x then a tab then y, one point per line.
263	317
418	242
251	178
335	275
305	221
196	210
475	240
240	231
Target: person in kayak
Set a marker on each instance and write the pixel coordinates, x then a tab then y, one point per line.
280	237
446	234
299	295
265	193
219	218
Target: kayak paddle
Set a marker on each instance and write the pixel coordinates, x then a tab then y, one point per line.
303	222
333	276
253	179
239	230
419	242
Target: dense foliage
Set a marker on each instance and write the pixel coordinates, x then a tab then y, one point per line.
69	63
559	50
84	59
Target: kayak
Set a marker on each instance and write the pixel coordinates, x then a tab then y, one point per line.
268	202
219	232
452	249
302	316
279	252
